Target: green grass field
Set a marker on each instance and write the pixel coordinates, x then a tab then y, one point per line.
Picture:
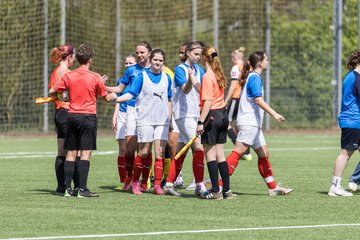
304	161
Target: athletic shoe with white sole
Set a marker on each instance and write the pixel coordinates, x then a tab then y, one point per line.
85	193
279	190
214	195
135	186
352	186
338	192
191	187
169	190
68	192
229	195
179	183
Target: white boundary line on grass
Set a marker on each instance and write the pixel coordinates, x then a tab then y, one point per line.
186	232
10	155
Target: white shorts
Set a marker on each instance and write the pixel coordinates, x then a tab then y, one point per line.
175	127
149	133
120	125
251	135
187	128
130	123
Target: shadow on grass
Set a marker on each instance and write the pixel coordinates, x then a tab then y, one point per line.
46	191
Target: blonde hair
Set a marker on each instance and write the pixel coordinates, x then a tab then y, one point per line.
212	58
239	53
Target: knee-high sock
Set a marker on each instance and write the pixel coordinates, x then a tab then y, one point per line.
138	165
158	171
214	175
232	135
198	166
129	161
68	172
121	168
146	168
232	161
59	171
265	170
76	179
84	167
224	173
175	168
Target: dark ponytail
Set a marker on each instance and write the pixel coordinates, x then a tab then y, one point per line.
251	64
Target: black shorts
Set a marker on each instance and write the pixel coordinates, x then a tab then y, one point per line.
232	110
350	139
216	131
61	122
82	132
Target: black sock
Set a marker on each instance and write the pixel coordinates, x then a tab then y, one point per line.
69	172
232	135
214	176
84	167
224	173
59	171
167	151
76	173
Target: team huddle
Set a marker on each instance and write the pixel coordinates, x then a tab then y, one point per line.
164	113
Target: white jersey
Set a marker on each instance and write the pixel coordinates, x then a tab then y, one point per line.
152	102
186	105
249	114
235	72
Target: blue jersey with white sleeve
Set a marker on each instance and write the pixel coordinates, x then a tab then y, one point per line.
350	105
123	105
180	77
136	86
129	77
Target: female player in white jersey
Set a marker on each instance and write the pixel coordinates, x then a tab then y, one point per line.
250	119
152	90
186	111
143	50
233	96
118	126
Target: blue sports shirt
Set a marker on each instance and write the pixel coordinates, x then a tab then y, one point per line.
180	77
350	105
123	105
254	87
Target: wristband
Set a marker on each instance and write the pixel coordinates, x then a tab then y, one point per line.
200	123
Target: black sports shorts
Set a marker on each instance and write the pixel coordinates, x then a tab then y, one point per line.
61	122
350	138
82	132
216	132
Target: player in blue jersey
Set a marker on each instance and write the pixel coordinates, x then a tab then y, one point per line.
349	122
152	90
118	126
143	50
249	122
186	112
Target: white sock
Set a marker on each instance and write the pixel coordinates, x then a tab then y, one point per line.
336	182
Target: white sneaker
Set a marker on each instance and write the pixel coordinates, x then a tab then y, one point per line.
179	183
191	187
352	186
279	190
171	191
338	191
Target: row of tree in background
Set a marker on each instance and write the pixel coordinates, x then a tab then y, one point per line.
301	48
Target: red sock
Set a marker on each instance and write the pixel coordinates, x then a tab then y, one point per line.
146	168
232	161
138	166
121	168
198	166
129	161
265	170
158	171
175	168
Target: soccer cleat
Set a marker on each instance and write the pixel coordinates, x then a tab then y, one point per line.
85	193
247	157
135	186
144	187
60	190
119	187
338	192
158	190
191	187
179	183
68	192
200	190
353	186
214	195
169	190
279	190
127	184
229	195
